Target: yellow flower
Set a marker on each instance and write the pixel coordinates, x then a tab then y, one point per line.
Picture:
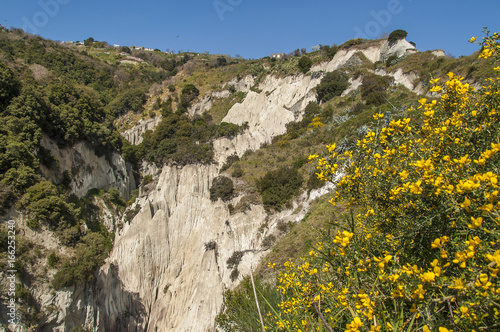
473	39
476	222
428	277
419	292
466	203
436	88
354	325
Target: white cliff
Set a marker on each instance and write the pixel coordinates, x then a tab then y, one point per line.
280	101
378	51
87	170
134	134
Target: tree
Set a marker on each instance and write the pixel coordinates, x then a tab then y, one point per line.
374	89
90	254
305	63
89	41
397	35
9	86
188	94
329	51
332	85
277	187
222	187
43	202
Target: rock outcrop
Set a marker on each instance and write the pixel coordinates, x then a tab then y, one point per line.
134	134
378	51
87	170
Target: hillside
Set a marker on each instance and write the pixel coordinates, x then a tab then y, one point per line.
142	185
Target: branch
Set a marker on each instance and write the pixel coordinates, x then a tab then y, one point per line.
257	301
315	306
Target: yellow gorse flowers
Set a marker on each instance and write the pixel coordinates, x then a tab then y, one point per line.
422	251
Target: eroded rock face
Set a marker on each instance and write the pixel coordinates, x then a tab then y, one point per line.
87	170
206	102
280	101
161	268
378	52
134	134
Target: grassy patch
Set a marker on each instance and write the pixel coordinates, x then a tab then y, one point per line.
301	236
221	106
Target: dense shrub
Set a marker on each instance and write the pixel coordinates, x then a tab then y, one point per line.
147	179
227	129
397	35
182	140
332	85
9	86
229	161
222	187
374	89
392	60
44	203
329	51
304	64
89	256
188	94
234	274
278	187
130	100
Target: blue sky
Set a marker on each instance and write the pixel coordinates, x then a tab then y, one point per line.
254	28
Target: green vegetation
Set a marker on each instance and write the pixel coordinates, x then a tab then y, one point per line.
241	312
189	93
278	187
147	179
332	85
222	187
397	35
330	51
304	64
9	86
374	89
413	244
89	256
179	139
87	93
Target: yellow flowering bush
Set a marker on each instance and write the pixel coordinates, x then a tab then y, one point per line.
420	249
